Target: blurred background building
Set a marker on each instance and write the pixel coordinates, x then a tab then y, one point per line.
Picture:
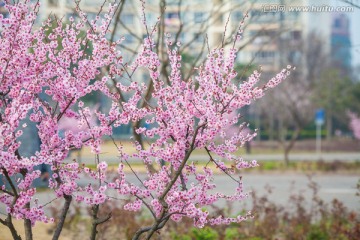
340	41
268	28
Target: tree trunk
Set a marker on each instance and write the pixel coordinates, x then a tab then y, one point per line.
282	132
95	210
271	126
97	221
27	226
248	147
290	146
8	222
328	125
64	211
286	157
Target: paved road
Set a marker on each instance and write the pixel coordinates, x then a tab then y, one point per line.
349	156
342	187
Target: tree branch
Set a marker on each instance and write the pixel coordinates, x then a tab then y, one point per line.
8	222
97	221
13	188
64	211
161	221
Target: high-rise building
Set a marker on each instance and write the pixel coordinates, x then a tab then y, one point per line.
278	34
340	41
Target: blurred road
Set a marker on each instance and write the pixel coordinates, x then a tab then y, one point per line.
342	187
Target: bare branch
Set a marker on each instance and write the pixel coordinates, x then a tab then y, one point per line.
8	222
223	170
97	221
64	211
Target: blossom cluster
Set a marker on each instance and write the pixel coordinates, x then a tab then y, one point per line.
355	124
46	72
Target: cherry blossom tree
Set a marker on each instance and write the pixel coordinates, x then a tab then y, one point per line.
355	124
45	72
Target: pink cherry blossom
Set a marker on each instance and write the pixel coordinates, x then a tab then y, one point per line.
45	73
355	124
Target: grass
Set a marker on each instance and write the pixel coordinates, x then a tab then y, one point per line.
270	148
108	149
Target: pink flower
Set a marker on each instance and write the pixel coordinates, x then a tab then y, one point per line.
355	124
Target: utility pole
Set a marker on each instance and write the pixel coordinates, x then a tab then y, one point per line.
319	121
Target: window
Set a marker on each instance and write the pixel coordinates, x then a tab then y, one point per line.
69	2
294	57
264	37
91	16
172	15
171	18
199	17
252	33
151	18
295	35
256	13
128	39
337	23
237	17
127	18
265	56
259	40
172	3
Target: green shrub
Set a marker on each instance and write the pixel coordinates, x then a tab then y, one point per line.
270	165
205	234
316	233
231	234
176	236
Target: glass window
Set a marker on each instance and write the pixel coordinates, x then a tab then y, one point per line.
128	39
199	17
265	56
127	18
337	23
91	16
237	16
295	35
172	15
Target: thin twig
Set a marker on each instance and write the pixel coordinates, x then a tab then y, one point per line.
213	160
